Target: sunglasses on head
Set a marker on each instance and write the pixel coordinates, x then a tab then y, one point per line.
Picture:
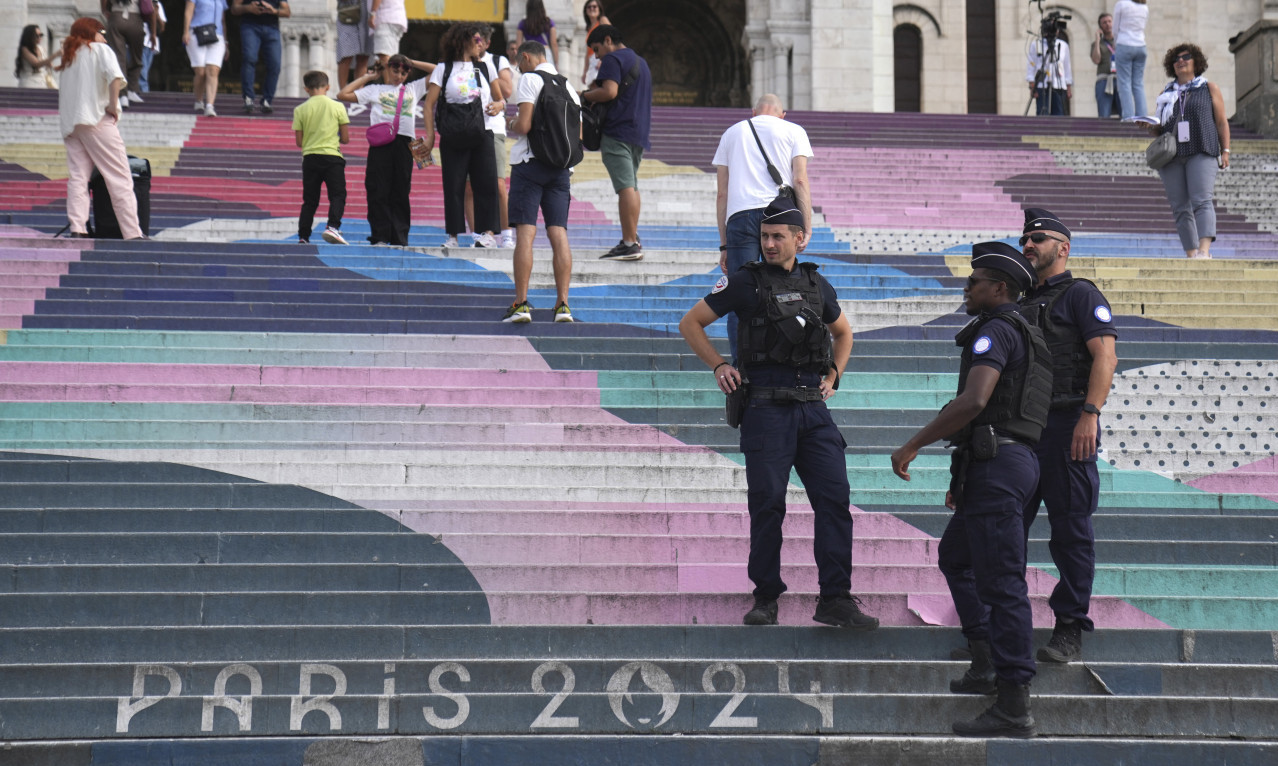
1038	238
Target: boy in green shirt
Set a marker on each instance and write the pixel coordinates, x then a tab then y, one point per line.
320	124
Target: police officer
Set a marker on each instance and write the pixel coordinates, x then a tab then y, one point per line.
793	345
1004	391
1079	328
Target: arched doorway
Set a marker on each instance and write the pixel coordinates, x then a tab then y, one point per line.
982	60
692	47
907	44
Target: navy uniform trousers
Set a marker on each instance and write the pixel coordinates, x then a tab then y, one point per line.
982	555
778	436
1070	489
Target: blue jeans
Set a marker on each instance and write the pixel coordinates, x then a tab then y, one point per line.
743	247
148	56
255	38
1050	102
1131	80
1106	103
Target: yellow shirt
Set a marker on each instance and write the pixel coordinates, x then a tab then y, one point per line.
319	118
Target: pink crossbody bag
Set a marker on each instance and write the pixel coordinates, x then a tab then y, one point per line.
383	133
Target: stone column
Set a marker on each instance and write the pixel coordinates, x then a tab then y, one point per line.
290	76
781	70
758	60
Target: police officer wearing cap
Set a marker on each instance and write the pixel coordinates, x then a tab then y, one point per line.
793	345
1003	395
1079	328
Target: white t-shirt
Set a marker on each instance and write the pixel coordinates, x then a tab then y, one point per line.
495	64
380	100
1129	23
1060	74
529	89
750	187
464	84
86	87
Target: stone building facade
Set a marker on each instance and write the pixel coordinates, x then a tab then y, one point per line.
940	56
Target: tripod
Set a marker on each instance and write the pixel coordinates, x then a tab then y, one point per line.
1048	59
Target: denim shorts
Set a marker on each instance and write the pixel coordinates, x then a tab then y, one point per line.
533	185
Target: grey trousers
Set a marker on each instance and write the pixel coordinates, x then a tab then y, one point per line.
1189	182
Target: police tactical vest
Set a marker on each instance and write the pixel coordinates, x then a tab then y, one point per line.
1071	360
788	330
1020	401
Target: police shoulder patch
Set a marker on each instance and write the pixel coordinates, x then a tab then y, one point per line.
982	344
721	285
1103	314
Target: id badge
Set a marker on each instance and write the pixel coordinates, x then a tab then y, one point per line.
1182	131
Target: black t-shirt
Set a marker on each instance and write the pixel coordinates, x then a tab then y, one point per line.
261	19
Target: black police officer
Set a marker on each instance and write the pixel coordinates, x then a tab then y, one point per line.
1004	392
793	344
1079	329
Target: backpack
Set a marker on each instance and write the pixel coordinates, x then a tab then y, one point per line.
461	125
594	116
556	124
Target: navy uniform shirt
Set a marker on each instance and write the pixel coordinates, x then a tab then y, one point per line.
739	293
1082	306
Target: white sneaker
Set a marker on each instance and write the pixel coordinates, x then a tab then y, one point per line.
508	238
485	240
451	242
333	236
199	106
124	101
135	98
209	111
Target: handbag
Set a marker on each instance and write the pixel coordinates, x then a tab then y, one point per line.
782	189
383	133
205	34
146	8
349	11
1161	151
461	125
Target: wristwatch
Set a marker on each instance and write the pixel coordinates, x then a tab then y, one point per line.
1093	409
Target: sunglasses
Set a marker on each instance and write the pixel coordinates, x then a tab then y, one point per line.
974	281
1185	57
1038	238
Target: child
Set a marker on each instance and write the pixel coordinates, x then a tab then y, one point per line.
320	124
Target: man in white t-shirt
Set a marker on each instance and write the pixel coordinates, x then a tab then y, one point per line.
746	187
535	184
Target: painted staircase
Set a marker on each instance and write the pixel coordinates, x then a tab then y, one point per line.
269	503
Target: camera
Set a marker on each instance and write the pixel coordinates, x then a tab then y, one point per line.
1053	24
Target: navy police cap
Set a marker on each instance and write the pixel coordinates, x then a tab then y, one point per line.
1038	219
1002	257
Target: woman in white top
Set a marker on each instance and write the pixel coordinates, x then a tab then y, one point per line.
88	115
1130	17
469	93
31	65
388	173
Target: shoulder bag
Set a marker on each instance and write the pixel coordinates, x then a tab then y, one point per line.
461	125
383	133
593	115
1163	149
782	189
205	34
349	11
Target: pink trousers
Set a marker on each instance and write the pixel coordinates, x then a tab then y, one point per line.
100	146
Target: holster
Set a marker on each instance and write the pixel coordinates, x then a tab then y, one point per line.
983	443
735	404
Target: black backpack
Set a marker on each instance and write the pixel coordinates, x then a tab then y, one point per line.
461	125
555	136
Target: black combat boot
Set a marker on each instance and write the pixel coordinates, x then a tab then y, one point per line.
1066	643
843	610
764	612
1009	716
979	678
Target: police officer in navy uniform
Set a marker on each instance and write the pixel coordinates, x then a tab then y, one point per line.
793	344
1004	392
1079	328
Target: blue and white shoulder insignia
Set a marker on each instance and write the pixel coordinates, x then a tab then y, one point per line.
1103	314
982	345
721	285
